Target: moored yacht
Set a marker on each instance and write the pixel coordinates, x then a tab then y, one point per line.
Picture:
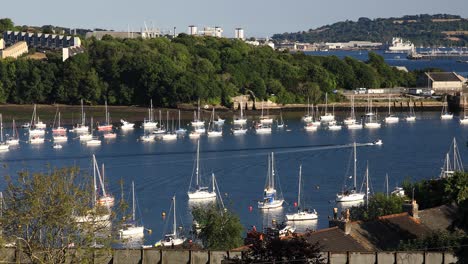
271	199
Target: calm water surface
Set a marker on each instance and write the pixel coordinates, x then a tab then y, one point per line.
163	169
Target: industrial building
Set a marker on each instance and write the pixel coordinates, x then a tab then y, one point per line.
14	51
40	40
443	82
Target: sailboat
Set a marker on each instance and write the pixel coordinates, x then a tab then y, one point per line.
199	191
160	128
197	122
445	115
351	195
132	229
262	128
181	130
34	129
271	199
107	125
280	123
332	125
13	140
150	123
313	124
105	200
126	125
327	117
3	145
213	128
411	115
81	127
371	117
94	141
240	120
59	133
170	134
172	239
464	120
308	117
265	119
239	130
302	214
451	166
390	118
351	122
59	129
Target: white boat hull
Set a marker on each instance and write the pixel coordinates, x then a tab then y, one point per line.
307	119
334	127
372	125
147	138
169	137
391	119
464	121
194	135
239	131
12	142
412	119
201	195
197	123
271	205
172	242
266	121
127	126
327	118
349	121
446	116
4	147
81	129
200	130
310	127
240	121
36	132
60	138
302	216
215	134
354	126
132	231
353	197
148	125
86	137
263	130
38	140
93	142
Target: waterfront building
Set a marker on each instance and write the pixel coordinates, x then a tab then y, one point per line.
2	44
443	82
14	51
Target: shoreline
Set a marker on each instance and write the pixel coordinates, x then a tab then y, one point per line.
71	113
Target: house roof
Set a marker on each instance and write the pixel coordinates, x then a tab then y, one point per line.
440	217
444	77
334	239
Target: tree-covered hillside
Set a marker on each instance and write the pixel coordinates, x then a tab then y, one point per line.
427	30
184	69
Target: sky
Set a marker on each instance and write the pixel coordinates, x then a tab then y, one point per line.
258	18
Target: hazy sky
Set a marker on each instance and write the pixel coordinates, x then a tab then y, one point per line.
259	18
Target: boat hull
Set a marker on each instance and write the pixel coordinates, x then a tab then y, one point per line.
302	216
354	197
132	231
372	125
201	195
270	205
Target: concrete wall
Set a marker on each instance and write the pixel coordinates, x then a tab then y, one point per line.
145	256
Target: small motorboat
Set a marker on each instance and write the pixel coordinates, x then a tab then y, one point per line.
378	142
26	125
57	146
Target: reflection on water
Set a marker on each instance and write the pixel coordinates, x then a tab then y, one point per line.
135	241
272	216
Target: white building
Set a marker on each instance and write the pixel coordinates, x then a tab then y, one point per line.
2	44
192	30
239	33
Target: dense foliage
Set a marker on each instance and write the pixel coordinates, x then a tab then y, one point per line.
420	29
379	205
218	229
186	69
40	212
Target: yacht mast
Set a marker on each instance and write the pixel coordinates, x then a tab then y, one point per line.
273	170
355	169
299	192
198	163
133	201
174	227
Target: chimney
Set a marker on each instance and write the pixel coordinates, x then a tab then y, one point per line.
412	208
343	223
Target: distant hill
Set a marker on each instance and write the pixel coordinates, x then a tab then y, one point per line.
427	30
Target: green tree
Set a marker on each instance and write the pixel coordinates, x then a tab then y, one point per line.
41	215
379	205
220	229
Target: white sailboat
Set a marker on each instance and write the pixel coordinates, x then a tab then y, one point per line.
265	119
59	132
3	145
263	129
147	137
197	122
199	191
34	129
371	117
172	239
445	115
126	125
107	125
310	126
411	115
452	165
315	116
351	195
464	120
271	199
105	199
351	122
240	120
280	122
180	130
81	127
390	118
94	141
160	128
327	117
170	134
302	214
14	139
239	130
150	123
308	117
132	229
214	129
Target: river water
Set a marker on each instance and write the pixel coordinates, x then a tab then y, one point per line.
163	169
